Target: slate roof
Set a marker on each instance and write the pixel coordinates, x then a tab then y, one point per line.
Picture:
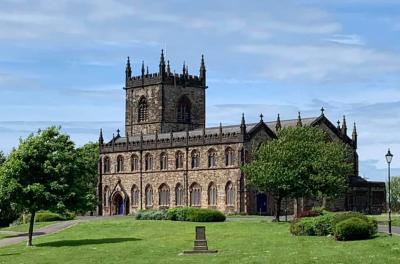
215	130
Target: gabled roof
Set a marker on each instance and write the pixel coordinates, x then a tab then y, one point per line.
250	128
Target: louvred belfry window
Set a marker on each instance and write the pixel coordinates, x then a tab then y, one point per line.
184	110
142	115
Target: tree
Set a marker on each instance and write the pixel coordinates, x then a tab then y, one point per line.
87	162
395	193
41	174
300	162
2	158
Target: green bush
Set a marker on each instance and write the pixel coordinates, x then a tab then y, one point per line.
313	226
205	215
353	228
339	217
46	216
179	214
151	215
183	214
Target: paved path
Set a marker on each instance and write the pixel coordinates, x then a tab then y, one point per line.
42	231
384	229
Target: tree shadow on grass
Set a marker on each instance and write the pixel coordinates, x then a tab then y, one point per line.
82	242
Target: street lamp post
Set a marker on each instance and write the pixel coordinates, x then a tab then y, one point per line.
389	157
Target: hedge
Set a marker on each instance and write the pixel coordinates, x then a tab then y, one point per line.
151	215
313	226
328	224
353	228
182	214
47	216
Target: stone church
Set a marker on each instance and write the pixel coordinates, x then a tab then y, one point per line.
169	158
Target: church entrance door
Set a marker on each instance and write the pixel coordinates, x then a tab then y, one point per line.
262	203
119	205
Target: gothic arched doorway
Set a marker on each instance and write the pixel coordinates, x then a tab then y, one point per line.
119	206
262	203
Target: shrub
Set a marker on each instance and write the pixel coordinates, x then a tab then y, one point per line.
151	215
179	214
353	228
46	216
205	215
339	217
313	226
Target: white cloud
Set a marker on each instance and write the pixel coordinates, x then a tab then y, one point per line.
322	62
347	39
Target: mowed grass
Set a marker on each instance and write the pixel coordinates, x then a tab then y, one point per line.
25	227
124	240
383	219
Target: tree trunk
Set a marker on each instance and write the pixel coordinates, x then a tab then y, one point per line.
278	209
30	232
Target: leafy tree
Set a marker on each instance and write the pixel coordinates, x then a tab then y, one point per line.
41	174
301	162
87	162
395	193
2	157
8	210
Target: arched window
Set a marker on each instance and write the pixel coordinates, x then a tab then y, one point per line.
195	159
135	196
149	196
212	194
229	157
230	194
212	158
134	163
148	162
179	195
195	195
120	163
142	110
163	161
179	160
106	164
106	195
184	109
163	195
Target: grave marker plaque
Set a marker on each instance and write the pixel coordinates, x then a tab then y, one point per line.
200	243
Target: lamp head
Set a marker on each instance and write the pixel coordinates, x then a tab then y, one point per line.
389	156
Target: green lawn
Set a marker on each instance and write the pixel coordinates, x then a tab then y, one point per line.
25	227
124	240
383	218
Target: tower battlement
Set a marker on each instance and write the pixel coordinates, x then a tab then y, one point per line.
165	76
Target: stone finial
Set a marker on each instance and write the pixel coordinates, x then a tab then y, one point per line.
261	118
142	70
101	140
118	132
278	125
322	111
338	125
147	70
243	125
184	69
299	122
344	126
162	64
168	68
128	70
220	128
203	70
354	136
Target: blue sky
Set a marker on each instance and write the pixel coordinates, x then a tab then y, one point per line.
62	62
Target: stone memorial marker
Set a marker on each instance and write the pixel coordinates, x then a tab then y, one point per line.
200	244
